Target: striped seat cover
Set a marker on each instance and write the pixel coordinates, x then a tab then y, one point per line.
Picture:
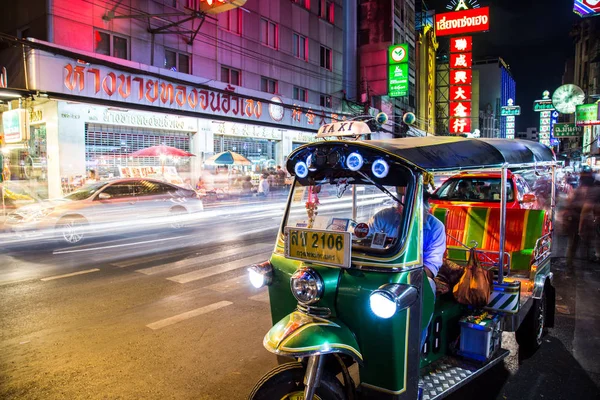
482	225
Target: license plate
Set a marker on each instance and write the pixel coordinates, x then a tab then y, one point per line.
318	246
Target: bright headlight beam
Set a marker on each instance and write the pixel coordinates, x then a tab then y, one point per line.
256	278
382	305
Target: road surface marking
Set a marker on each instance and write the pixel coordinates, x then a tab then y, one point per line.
218	269
187	315
148	259
230	284
118	245
261	248
262	297
87	271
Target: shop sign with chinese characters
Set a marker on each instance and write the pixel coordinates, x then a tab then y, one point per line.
108	84
567	130
464	21
544	133
460	88
398	70
587	114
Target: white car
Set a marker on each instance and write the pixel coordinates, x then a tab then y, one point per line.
106	207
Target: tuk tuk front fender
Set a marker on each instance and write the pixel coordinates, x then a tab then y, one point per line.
301	335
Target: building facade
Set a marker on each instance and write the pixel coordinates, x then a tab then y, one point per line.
586	75
112	78
496	86
529	134
382	23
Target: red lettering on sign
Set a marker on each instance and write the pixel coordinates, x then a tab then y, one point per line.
111	79
124	86
166	93
180	95
96	73
152	91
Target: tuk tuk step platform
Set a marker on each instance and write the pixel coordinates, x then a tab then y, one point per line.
450	373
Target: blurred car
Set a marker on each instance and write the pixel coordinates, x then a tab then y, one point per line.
483	190
105	207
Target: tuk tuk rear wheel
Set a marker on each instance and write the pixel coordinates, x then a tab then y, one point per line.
286	382
532	330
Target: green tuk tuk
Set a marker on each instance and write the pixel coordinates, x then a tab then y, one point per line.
343	294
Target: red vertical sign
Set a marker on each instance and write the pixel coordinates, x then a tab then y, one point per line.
461	59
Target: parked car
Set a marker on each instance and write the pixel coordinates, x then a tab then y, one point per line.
483	190
105	207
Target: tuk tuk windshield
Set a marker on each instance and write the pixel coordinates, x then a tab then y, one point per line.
374	218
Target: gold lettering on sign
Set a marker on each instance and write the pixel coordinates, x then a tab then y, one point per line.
35	115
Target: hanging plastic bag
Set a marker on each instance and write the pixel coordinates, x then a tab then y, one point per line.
475	285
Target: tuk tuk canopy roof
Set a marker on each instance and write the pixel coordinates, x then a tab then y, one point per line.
447	153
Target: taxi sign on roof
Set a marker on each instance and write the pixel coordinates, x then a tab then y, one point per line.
344	128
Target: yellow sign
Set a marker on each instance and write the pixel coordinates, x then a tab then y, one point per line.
218	6
323	247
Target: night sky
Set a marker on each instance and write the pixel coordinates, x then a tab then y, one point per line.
533	38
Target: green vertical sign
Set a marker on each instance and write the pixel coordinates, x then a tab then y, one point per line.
398	70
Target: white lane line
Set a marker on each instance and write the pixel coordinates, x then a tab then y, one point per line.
255	248
263	297
187	315
87	271
118	245
218	269
229	285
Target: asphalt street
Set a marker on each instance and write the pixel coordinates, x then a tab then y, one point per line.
170	314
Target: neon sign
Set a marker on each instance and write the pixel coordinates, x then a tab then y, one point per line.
459	22
586	8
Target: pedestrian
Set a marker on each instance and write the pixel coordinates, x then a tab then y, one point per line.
571	218
590	220
247	186
263	185
281	175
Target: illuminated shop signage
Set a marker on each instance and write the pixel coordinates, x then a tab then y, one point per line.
460	90
463	21
587	114
461	44
567	130
461	77
543	105
214	6
56	74
13	124
398	70
586	8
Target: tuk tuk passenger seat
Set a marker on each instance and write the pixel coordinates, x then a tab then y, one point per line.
481	225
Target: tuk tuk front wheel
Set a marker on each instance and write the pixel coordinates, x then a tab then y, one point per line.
532	330
286	382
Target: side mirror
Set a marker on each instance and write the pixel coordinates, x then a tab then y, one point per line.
104	196
529	198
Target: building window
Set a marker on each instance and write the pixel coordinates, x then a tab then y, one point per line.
326	9
325	101
306	3
231	20
231	76
326	58
268	85
300	94
111	45
268	33
177	61
300	47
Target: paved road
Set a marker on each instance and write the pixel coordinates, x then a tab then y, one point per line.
171	315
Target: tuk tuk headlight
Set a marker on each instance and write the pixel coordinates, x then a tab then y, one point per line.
307	286
380	168
354	161
392	297
301	169
260	274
